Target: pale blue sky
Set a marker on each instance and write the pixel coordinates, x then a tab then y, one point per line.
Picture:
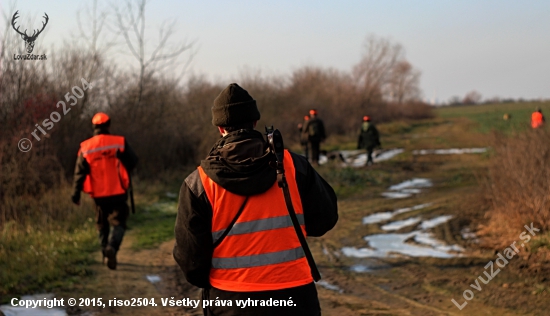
497	47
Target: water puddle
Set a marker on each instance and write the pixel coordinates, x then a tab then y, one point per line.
329	286
384	216
450	151
407	188
10	310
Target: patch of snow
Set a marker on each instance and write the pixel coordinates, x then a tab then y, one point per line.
10	310
388	245
358	158
407	188
392	245
431	223
359	268
400	224
377	217
413	183
467	233
409	209
396	195
329	286
387	155
384	216
450	151
153	278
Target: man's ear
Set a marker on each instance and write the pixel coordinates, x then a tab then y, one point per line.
255	124
222	130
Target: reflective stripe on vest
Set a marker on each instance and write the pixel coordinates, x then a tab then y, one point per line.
261	252
107	175
259	225
258	260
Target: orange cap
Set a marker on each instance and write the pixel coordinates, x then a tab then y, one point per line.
306	118
366	118
313	112
100	118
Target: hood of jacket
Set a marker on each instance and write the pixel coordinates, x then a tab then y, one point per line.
240	163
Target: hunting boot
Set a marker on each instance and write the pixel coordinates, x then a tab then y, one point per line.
110	253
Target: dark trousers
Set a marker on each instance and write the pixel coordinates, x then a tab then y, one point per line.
305	147
111	214
305	298
369	155
315	148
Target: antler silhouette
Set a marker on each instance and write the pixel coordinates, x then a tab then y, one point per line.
35	32
13	24
43	25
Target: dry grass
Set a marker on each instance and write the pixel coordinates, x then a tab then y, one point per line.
517	187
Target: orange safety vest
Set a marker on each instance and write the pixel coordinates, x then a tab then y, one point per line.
262	251
107	175
536	120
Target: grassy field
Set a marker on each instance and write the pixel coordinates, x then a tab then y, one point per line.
490	116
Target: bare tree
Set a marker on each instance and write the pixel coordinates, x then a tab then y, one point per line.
404	82
130	21
472	97
372	73
383	73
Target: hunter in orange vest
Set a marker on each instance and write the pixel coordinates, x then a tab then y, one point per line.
537	119
234	236
101	170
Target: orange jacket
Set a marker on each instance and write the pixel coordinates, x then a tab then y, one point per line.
262	251
107	176
537	119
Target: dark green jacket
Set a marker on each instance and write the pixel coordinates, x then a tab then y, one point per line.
368	136
314	130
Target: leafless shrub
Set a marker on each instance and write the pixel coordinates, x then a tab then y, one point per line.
518	184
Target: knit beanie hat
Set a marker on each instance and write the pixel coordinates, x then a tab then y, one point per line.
234	106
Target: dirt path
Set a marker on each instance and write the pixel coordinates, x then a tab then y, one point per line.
129	281
351	294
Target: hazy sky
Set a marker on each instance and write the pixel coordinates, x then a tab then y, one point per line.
497	47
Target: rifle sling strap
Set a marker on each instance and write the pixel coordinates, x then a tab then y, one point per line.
311	262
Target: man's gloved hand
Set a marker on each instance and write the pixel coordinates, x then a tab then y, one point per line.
76	199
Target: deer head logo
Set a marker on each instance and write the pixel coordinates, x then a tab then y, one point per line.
29	40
